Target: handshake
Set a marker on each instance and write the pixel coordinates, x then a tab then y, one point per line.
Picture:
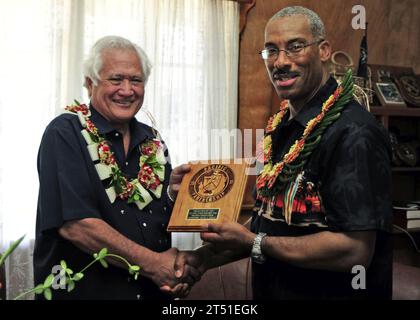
175	272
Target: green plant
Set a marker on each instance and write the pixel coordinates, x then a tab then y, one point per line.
70	278
9	251
67	276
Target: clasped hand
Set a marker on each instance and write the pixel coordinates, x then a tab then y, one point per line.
178	272
189	266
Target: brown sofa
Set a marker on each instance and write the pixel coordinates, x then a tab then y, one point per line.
233	282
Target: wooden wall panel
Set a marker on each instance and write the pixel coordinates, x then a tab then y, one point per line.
393	39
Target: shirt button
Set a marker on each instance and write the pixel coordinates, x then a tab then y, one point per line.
126	163
160	241
117	134
164	208
122	212
138	297
163	225
144	224
150	211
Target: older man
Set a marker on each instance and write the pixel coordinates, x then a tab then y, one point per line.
103	184
322	222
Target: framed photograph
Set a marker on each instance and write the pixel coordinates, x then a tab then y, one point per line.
389	95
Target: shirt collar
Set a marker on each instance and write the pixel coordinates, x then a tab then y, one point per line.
138	131
314	106
100	122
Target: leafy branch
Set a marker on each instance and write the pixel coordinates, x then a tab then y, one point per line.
69	278
10	250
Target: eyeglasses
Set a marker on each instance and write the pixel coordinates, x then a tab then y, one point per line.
292	51
118	80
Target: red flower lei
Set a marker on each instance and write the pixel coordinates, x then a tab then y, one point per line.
151	167
270	173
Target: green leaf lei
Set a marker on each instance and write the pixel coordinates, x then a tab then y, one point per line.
275	178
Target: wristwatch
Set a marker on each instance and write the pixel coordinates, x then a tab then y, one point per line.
256	252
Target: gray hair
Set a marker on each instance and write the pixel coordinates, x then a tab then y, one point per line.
315	22
93	64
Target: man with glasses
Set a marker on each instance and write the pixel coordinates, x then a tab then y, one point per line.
103	184
322	219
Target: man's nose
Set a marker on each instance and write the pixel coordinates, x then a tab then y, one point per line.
126	88
282	60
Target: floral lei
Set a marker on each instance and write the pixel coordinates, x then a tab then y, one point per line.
151	162
282	176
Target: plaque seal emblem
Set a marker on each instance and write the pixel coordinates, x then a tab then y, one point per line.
211	183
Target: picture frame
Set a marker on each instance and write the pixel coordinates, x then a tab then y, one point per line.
389	95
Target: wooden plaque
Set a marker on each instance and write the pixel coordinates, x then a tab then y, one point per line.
209	193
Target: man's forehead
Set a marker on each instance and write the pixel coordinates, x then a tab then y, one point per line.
117	61
291	26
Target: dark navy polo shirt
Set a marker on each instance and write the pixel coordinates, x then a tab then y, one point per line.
352	172
70	189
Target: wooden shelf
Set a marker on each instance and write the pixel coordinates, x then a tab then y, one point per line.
396	111
406	169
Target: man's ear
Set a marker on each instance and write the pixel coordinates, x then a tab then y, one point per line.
325	51
89	86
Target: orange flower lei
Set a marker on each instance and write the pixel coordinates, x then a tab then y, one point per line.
270	173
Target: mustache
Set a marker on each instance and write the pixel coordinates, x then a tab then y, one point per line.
277	73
